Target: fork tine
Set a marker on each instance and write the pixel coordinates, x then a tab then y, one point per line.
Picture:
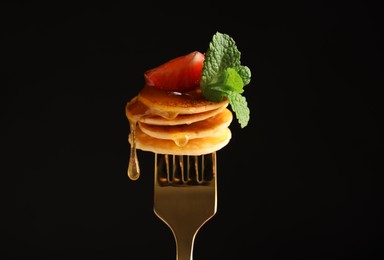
191	169
201	168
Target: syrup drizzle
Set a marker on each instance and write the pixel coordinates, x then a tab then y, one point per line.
181	140
133	166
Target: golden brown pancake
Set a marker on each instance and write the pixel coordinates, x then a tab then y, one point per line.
199	129
175	103
196	146
137	111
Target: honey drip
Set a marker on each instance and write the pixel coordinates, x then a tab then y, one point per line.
181	140
168	115
133	167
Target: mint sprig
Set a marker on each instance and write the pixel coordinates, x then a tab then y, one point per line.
224	76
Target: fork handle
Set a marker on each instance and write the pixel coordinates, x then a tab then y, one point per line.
184	246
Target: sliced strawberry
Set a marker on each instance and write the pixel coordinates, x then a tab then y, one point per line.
181	74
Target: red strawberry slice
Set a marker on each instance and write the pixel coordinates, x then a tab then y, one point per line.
181	74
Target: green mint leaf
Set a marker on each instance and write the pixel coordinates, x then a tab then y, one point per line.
245	74
221	54
223	76
232	80
240	107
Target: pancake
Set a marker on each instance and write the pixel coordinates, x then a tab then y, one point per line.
137	111
196	146
172	104
199	129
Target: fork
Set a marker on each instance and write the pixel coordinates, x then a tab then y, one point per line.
185	196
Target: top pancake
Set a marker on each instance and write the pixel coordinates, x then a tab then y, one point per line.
175	103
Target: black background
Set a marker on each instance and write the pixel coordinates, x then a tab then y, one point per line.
301	181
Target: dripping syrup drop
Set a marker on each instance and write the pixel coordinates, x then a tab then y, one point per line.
133	166
181	141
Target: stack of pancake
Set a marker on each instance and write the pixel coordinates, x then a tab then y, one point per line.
177	123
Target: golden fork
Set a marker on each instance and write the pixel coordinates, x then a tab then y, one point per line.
185	196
